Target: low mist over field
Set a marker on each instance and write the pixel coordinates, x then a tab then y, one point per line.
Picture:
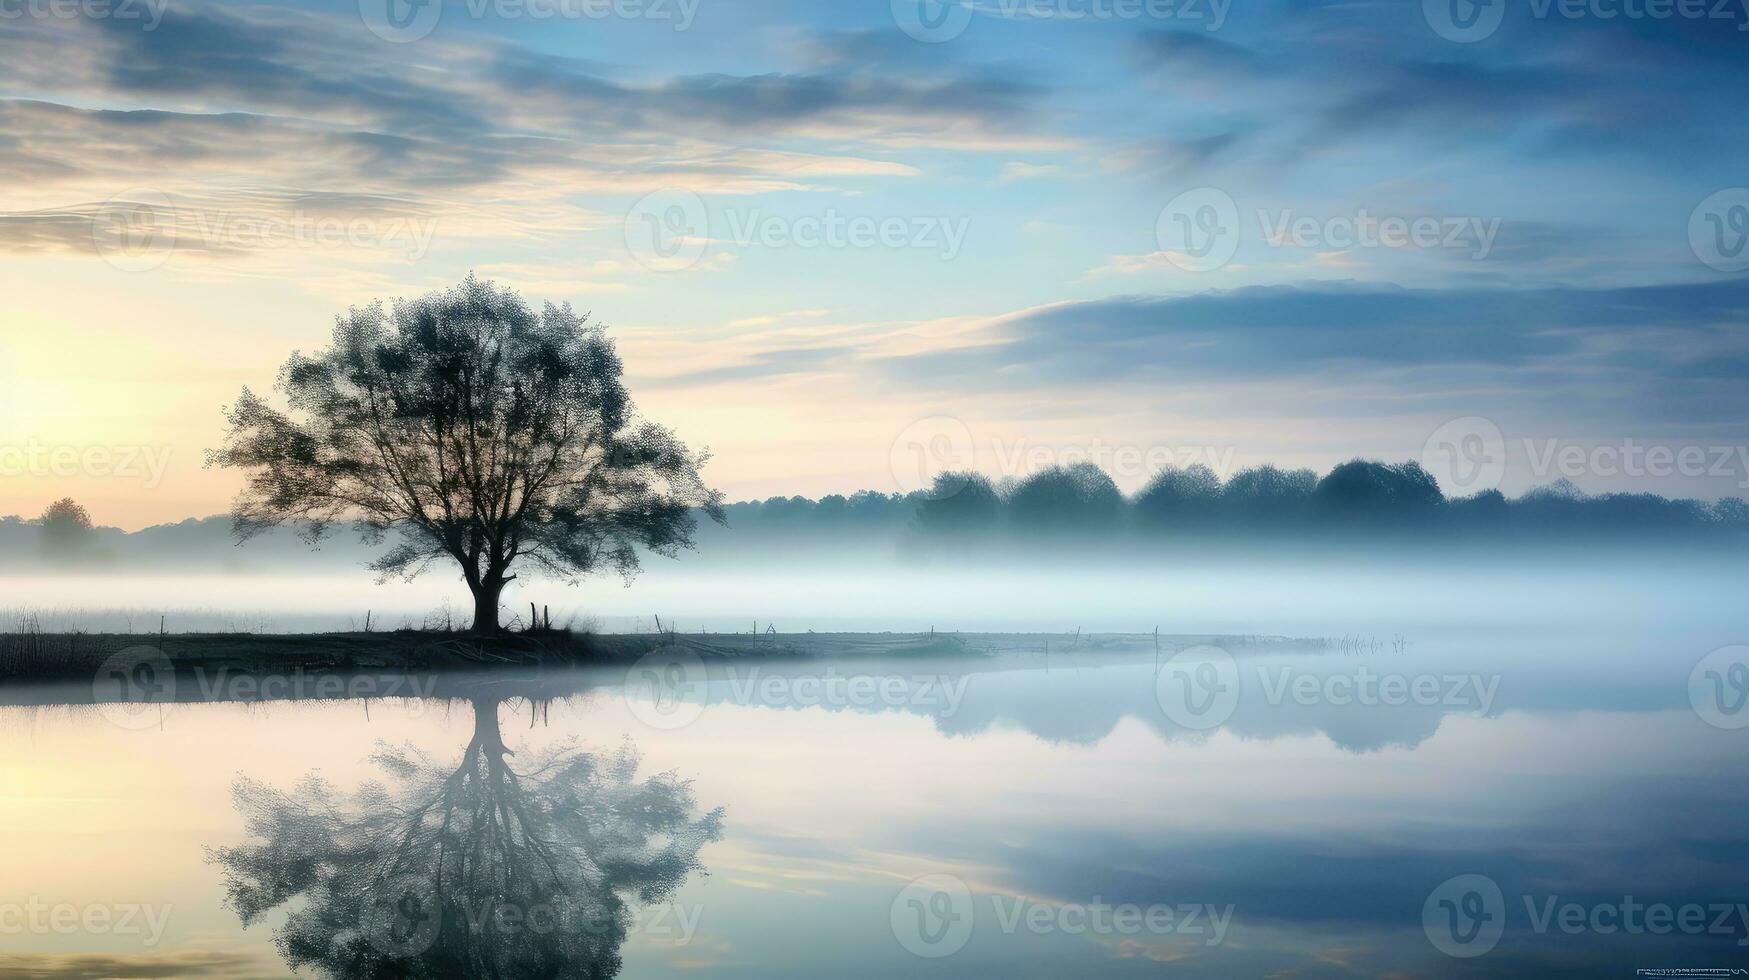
1364	547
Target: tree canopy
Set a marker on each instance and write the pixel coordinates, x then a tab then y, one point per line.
468	428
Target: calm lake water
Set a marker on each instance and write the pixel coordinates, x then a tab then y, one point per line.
1518	803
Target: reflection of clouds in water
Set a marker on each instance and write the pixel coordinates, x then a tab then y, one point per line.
1316	849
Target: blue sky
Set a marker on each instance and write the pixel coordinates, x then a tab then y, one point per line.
816	234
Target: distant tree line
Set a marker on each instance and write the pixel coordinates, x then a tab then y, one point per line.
970	513
1353	498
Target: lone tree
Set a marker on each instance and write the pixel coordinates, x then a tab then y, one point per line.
66	527
471	429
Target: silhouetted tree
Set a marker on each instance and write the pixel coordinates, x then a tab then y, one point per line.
1554	506
1078	497
66	528
1483	509
1384	492
1179	498
476	431
483	869
1731	512
959	505
1268	496
832	509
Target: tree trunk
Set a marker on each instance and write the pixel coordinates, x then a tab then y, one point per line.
486	607
486	731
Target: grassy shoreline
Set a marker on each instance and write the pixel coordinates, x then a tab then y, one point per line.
59	658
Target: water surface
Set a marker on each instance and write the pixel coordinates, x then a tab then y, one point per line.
1524	799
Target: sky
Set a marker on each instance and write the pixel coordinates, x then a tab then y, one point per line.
846	245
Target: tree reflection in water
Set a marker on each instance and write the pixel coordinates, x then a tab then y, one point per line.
487	869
